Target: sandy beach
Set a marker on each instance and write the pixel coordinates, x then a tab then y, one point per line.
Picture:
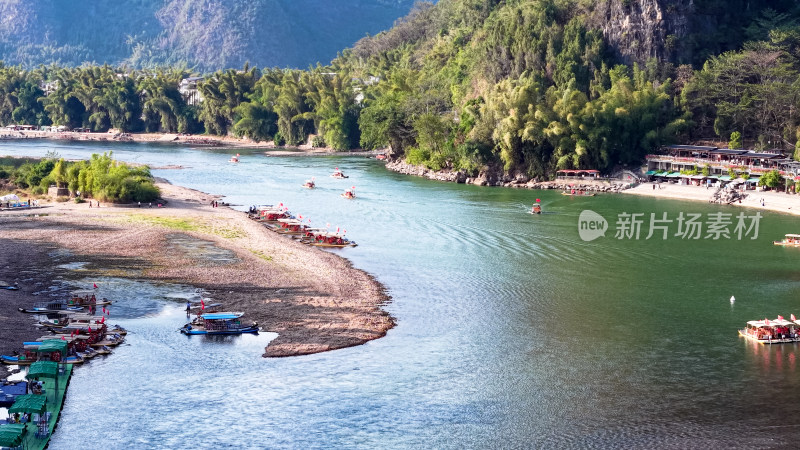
315	300
773	201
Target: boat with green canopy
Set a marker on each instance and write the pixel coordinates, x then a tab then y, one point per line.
41	410
12	435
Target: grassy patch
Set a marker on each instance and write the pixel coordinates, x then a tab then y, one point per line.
227	233
262	255
189	225
167	222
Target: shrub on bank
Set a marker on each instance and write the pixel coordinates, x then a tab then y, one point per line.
318	142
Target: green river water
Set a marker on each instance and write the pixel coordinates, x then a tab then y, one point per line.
512	331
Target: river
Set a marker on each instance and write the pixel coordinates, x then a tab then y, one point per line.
512	331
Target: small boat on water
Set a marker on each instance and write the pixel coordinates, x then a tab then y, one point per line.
10	390
776	331
222	323
537	208
790	240
309	184
338	174
290	226
271	214
20	360
326	239
86	298
350	193
234	159
578	193
50	308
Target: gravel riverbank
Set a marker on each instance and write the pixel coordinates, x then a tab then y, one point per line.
316	301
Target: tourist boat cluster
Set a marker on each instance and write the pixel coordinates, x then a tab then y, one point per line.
281	221
74	330
774	331
278	219
76	324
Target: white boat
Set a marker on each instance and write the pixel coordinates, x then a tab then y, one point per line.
790	240
776	331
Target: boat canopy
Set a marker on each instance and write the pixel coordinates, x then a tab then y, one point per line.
330	234
222	316
11	435
29	403
82	292
53	345
780	322
43	369
66	338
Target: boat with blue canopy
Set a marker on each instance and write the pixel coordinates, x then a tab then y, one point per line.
219	323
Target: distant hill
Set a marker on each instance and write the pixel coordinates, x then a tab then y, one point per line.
207	34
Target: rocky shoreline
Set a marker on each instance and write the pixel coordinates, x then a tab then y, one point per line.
498	178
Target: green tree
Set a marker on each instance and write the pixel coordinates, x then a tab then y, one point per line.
736	140
771	179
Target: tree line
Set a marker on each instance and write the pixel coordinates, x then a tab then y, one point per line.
529	87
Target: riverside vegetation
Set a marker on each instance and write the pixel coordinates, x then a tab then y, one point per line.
100	178
527	86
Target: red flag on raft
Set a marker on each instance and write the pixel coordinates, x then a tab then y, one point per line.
780	317
793	317
95	285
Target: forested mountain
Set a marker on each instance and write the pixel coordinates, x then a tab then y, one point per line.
206	34
526	86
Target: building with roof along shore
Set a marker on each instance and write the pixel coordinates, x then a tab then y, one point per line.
189	91
693	164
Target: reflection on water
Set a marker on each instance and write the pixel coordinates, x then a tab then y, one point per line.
512	332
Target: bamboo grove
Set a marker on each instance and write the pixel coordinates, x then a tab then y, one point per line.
529	86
